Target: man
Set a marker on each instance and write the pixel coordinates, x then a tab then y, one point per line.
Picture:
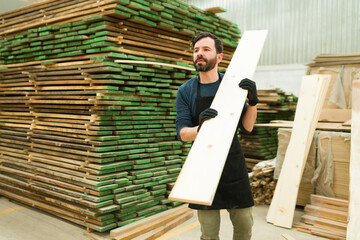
192	105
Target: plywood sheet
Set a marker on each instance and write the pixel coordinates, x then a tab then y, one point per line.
354	204
200	175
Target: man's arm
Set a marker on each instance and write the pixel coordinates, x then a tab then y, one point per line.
249	118
188	133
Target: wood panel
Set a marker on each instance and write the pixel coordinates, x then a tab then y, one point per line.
354	216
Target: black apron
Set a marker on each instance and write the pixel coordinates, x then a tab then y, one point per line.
234	187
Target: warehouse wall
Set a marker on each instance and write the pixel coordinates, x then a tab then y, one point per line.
9	5
298	31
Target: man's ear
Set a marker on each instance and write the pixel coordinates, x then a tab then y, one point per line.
219	57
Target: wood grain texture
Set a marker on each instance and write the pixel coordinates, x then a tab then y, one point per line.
354	204
311	99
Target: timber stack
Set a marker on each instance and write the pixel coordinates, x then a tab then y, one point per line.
87	105
325	217
262	143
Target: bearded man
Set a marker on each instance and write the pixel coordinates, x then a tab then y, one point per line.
193	103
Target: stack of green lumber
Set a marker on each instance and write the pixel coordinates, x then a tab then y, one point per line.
49	30
87	105
261	144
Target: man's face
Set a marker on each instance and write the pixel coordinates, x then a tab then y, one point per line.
205	57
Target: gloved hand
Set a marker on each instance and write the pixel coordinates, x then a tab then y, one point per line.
206	115
251	87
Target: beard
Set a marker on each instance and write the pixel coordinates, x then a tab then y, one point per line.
207	66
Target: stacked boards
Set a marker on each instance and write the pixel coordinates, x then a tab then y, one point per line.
262	143
326	169
87	105
326	217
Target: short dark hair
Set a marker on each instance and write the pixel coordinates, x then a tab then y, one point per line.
200	35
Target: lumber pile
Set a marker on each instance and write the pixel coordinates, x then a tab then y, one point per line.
153	227
343	70
262	183
261	144
87	105
325	217
327	165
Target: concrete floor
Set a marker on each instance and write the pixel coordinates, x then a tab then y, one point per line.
21	222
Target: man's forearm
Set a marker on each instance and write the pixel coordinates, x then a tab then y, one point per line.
249	118
188	133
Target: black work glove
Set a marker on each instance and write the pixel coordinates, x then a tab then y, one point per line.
206	115
251	87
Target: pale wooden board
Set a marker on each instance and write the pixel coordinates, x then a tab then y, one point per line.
335	115
311	99
287	236
200	175
354	203
142	226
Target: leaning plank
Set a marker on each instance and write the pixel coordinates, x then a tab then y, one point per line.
354	204
311	98
208	154
136	229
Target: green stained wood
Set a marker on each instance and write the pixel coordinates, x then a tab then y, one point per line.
142	20
126	9
125	200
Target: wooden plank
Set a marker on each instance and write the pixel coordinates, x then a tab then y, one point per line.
133	230
320	125
288	236
327	213
215	10
156	233
208	154
311	98
354	204
318	221
335	115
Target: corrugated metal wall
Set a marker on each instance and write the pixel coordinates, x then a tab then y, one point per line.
298	30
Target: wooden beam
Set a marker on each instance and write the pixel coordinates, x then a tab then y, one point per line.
208	154
354	215
311	98
215	10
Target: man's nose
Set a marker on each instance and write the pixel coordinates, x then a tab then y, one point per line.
199	53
